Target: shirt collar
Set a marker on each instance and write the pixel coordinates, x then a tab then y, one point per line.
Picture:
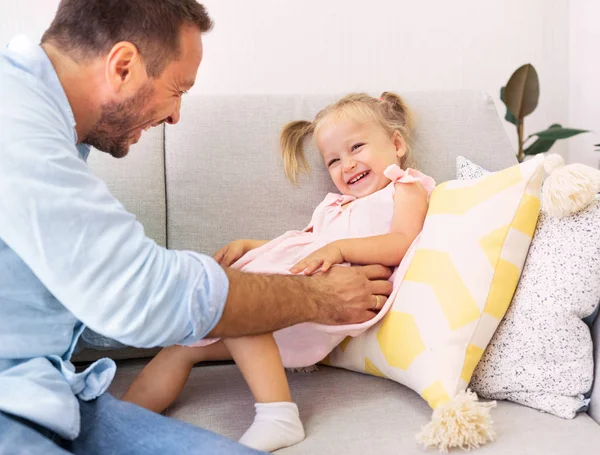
84	151
31	58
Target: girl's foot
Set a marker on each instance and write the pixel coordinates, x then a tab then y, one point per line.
276	425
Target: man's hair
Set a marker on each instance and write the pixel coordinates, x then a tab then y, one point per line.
86	29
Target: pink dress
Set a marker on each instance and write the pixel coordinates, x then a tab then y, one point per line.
337	217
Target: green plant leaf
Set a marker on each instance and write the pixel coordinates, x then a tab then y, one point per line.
558	132
547	138
539	146
508	117
522	92
598	149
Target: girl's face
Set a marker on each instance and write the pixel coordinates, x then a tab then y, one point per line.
357	153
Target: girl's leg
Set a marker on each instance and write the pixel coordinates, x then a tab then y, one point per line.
277	422
162	380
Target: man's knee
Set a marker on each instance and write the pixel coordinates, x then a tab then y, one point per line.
22	436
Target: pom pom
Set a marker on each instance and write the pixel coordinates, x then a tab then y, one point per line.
568	189
463	422
553	162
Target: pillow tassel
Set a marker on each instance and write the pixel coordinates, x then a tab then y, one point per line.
568	189
308	369
463	422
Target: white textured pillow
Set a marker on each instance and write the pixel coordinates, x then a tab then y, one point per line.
542	353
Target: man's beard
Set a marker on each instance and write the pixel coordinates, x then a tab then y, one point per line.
114	131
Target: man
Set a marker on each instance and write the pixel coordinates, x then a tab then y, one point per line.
71	256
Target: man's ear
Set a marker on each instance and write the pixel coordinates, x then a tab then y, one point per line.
399	144
125	70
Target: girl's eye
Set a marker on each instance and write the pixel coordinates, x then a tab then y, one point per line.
357	146
332	162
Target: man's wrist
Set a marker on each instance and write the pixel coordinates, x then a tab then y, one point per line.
254	303
313	293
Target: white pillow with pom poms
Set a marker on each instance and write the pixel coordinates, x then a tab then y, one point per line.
542	353
450	293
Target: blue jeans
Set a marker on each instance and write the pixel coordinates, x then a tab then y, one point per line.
110	427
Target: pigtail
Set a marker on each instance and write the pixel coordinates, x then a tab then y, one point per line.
291	145
397	107
400	117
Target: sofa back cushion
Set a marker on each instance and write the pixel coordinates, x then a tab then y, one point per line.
138	181
225	179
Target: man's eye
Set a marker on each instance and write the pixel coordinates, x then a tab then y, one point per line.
331	162
357	146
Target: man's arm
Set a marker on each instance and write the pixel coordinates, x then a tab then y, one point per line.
264	303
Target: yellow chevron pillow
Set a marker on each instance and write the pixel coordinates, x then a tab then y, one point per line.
461	275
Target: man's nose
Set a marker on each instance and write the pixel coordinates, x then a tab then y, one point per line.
175	116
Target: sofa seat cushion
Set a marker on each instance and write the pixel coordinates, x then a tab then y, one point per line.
351	413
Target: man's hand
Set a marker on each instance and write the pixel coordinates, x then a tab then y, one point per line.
235	250
320	260
351	294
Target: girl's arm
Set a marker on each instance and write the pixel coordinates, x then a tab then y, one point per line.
235	250
410	208
386	249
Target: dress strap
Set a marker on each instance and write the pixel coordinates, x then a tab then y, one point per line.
398	175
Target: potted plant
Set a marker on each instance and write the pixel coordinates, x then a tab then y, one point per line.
521	95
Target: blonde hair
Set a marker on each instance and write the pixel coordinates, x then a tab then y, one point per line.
390	111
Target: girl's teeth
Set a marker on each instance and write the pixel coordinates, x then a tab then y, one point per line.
358	178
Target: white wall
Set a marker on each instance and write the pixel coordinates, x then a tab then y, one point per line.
316	46
584	90
30	17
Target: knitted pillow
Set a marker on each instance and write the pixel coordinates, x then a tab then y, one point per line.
542	354
450	293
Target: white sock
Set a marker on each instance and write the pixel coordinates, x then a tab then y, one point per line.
276	425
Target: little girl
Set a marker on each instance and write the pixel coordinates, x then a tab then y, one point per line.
379	213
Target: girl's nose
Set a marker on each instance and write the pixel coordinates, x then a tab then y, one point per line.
349	165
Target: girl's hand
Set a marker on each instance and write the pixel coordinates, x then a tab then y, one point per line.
320	260
235	250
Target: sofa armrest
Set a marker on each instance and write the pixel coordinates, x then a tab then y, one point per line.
595	398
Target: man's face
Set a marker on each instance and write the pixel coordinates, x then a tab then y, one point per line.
121	123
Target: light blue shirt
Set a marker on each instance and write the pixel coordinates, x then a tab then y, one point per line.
71	256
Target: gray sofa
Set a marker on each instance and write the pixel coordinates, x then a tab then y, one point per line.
216	176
